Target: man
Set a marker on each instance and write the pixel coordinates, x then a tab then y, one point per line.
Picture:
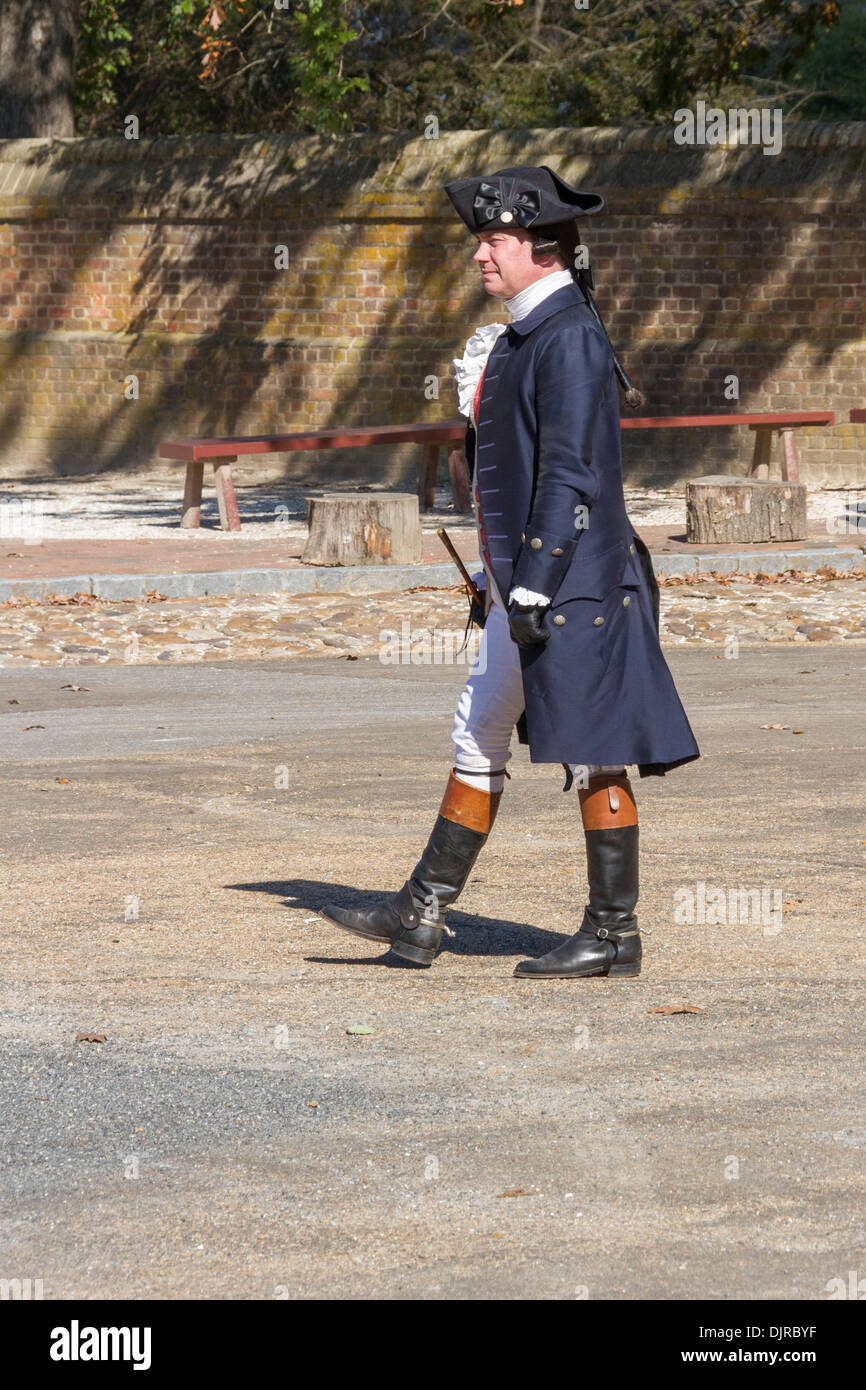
570	651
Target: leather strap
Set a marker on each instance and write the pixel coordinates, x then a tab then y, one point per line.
404	906
607	803
469	806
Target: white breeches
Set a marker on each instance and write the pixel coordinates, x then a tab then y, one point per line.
490	705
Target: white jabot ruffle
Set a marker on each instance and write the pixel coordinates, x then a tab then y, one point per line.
469	367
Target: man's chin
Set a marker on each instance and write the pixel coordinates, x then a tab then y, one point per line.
493	287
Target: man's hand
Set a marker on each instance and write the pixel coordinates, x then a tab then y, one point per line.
524	624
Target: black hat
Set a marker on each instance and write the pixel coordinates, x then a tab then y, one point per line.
525	197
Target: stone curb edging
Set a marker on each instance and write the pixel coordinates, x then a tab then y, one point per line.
363	579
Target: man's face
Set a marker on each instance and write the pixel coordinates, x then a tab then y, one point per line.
506	263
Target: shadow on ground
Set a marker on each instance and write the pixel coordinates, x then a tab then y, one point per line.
473	935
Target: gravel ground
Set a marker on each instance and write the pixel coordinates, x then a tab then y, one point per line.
423	625
169	837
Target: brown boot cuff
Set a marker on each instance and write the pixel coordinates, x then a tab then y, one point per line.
608	802
469	806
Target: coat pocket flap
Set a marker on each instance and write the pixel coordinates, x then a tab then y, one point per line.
593	576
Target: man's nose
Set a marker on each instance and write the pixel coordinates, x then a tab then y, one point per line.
482	254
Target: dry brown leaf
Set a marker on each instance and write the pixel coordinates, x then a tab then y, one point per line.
63	779
91	1037
75	687
32	726
515	1192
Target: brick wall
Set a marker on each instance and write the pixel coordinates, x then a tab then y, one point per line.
156	259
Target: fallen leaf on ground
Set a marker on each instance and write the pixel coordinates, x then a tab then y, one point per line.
13	702
90	1037
677	1009
775	726
63	779
360	1030
515	1192
75	687
33	726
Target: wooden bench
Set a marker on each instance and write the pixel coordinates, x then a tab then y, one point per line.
783	423
222	453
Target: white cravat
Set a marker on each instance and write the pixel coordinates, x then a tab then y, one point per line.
523	303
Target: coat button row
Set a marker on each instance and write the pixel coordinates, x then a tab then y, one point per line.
626	601
559	620
631	550
535	543
557	551
597	622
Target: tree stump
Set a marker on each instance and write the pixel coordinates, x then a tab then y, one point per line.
721	509
363	528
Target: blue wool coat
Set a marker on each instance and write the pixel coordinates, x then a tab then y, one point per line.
546	448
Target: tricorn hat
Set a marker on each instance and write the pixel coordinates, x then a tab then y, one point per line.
527	197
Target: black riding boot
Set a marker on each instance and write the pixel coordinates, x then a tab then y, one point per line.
608	942
412	921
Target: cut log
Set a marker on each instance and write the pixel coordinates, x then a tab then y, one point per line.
363	528
721	509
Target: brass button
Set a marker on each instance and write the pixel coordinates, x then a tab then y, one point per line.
557	551
559	620
506	217
631	550
597	622
535	543
523	535
626	601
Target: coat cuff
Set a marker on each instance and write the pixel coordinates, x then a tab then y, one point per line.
543	561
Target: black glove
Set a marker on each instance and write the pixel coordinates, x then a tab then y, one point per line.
524	624
476	610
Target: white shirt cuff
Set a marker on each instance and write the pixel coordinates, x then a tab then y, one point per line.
528	597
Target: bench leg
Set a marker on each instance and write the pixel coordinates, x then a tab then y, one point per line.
459	475
191	513
761	457
227	501
427	476
790	464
